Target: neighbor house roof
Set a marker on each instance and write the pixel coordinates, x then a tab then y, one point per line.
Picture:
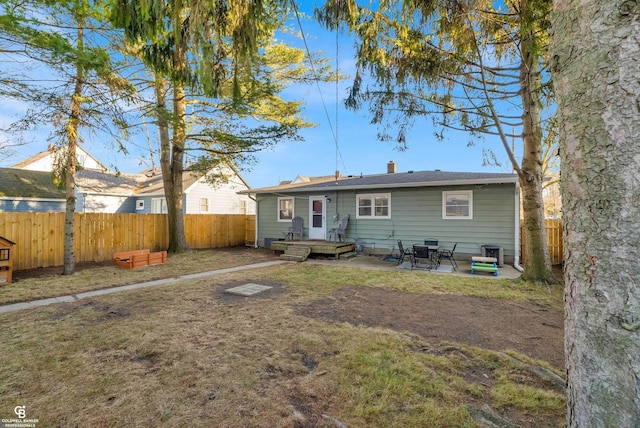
28	184
108	182
154	184
393	180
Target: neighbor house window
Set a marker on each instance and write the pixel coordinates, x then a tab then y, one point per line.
204	205
374	206
285	209
158	206
457	204
139	204
243	207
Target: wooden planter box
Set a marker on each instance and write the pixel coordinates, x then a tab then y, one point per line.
139	258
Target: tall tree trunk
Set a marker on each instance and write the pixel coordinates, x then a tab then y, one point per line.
596	46
173	181
70	169
537	263
171	168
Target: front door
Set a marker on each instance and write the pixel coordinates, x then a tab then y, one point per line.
316	218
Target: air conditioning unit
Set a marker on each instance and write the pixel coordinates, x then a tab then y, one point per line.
495	251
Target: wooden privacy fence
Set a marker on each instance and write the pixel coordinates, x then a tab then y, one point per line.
39	237
554	240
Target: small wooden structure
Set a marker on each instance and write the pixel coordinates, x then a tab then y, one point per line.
139	258
317	247
6	261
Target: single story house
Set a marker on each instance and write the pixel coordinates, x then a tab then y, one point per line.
470	209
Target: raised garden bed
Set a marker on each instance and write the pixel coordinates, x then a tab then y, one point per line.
139	258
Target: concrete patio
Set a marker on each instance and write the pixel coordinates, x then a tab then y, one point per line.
377	262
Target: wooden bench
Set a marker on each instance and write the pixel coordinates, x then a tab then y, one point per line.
139	258
484	264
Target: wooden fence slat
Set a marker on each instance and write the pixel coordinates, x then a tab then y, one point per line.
554	241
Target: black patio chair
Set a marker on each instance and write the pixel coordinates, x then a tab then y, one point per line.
423	256
404	252
448	254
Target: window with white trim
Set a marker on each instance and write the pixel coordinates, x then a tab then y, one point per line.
374	205
139	204
457	205
285	209
204	205
159	206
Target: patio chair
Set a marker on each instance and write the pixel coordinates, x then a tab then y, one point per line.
297	228
448	254
404	252
422	255
339	233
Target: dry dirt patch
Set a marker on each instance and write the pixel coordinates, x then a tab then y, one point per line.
497	324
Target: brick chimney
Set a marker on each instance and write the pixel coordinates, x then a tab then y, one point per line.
391	167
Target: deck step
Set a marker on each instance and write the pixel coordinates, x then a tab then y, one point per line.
296	253
348	255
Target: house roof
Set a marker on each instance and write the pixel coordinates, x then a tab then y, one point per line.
6	241
28	184
300	181
154	185
108	182
393	180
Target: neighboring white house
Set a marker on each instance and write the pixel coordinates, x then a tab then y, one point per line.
101	190
44	161
200	197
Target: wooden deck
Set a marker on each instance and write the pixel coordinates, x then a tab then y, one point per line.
317	247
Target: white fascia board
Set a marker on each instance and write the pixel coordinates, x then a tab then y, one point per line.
443	183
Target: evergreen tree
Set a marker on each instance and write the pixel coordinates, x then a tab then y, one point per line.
477	66
221	61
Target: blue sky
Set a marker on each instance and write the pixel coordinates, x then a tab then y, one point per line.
360	152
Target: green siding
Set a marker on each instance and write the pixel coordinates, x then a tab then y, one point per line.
267	214
416	214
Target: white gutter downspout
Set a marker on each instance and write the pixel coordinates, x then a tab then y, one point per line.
255	239
516	257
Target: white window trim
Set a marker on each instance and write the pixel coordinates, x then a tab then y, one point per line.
200	203
293	209
372	196
163	205
445	193
139	204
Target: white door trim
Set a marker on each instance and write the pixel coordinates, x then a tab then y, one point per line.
317	220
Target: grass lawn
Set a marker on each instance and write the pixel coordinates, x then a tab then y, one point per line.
186	354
